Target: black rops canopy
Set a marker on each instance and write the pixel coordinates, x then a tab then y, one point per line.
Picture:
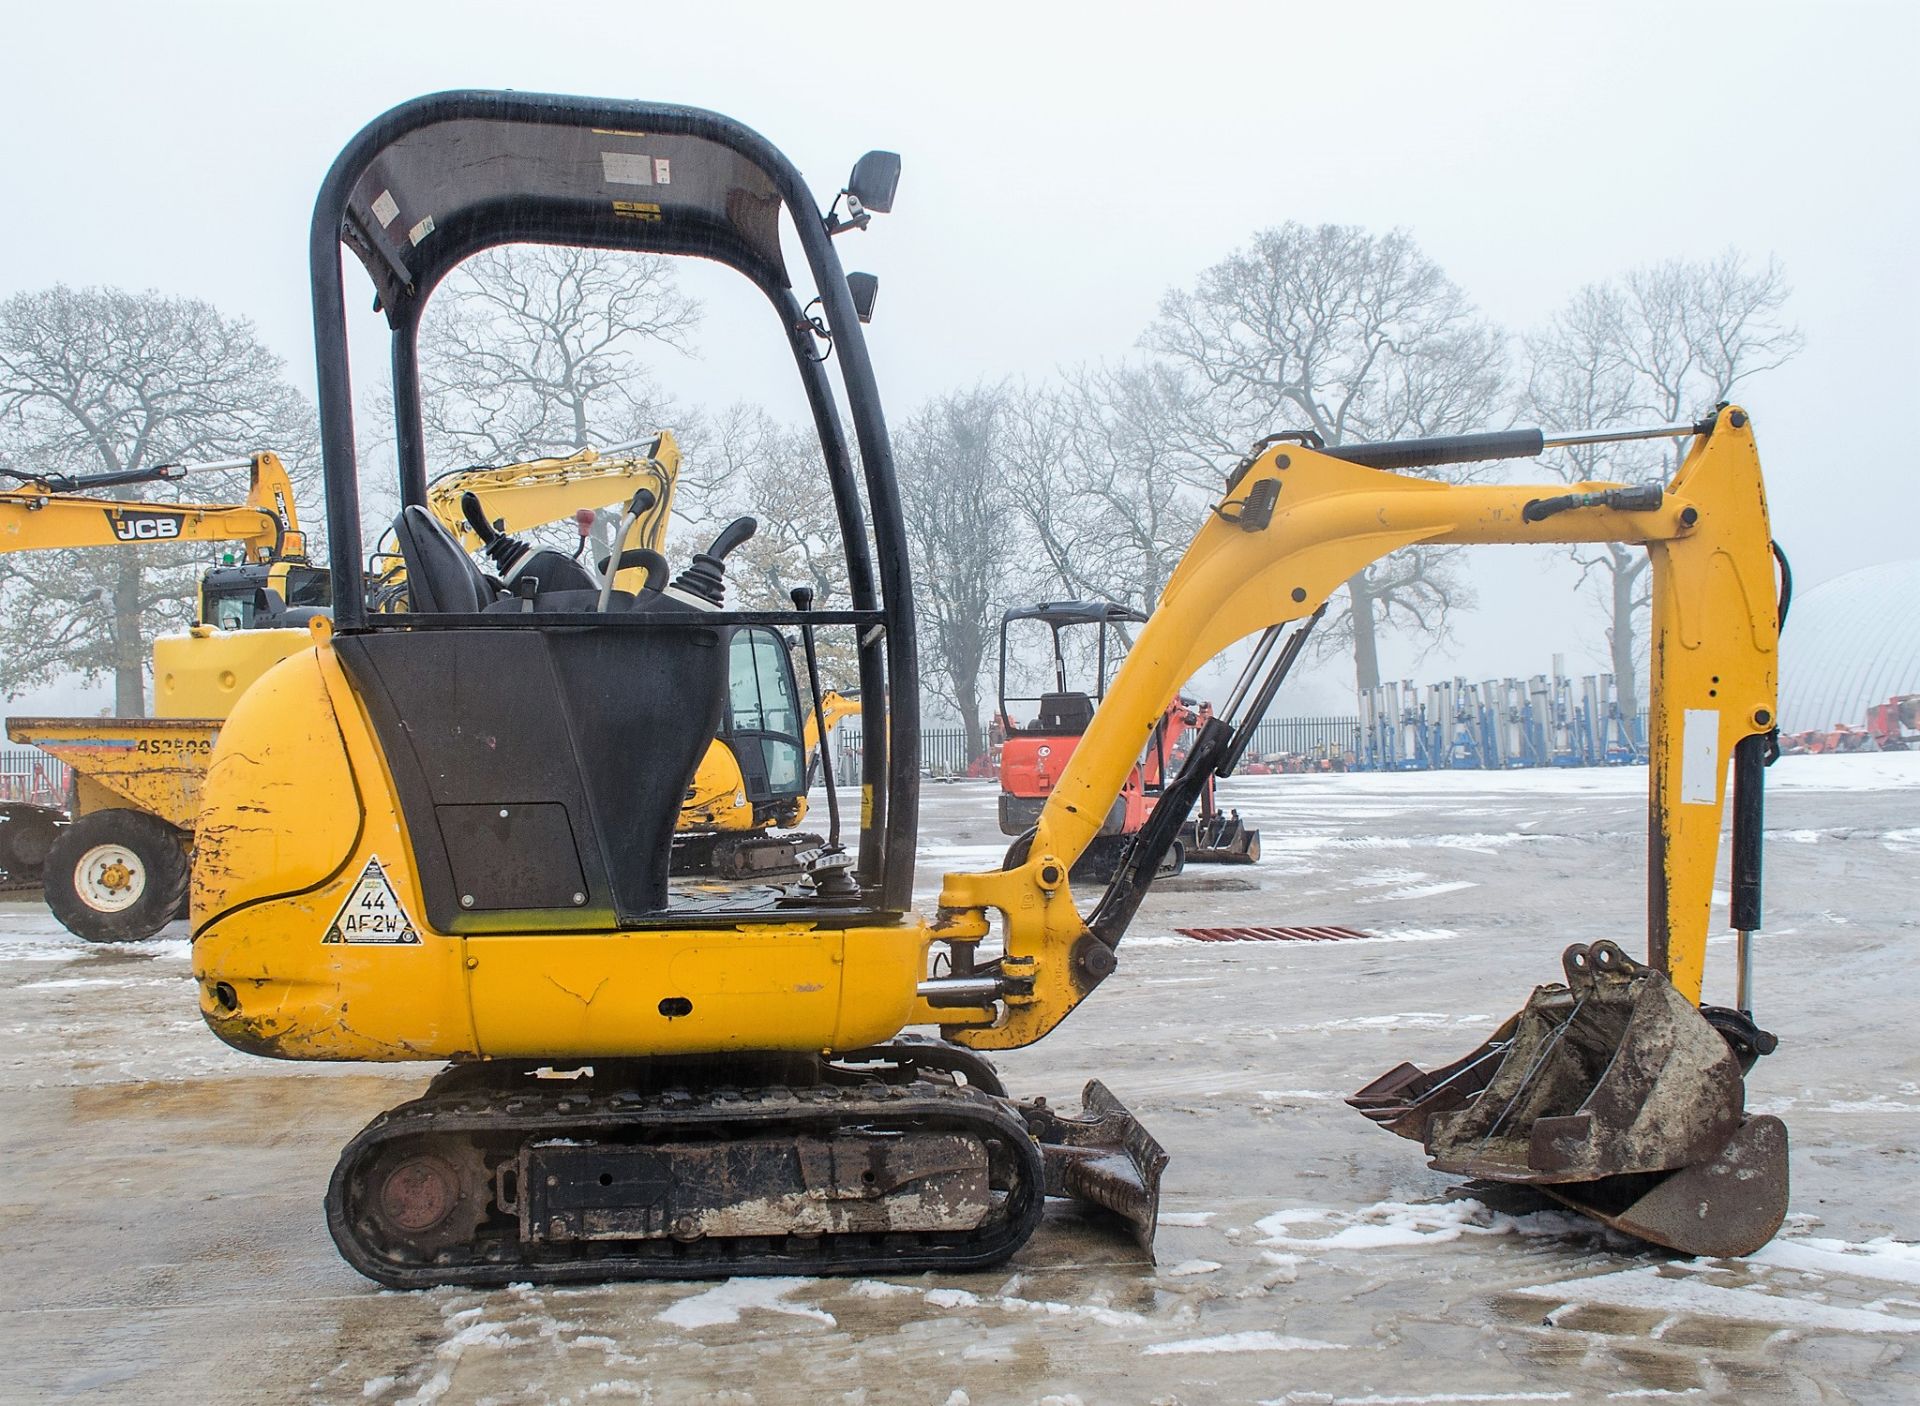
1077	612
435	194
441	178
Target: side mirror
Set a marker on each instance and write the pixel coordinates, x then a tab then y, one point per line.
865	288
874	180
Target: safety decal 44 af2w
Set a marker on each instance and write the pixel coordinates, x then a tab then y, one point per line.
372	914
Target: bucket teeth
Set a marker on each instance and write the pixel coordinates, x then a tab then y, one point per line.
1612	1093
1101	1155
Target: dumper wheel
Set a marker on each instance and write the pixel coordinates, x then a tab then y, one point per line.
116	875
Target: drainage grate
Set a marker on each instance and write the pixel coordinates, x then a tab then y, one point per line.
1320	934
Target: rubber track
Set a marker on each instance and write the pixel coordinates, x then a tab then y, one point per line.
498	1118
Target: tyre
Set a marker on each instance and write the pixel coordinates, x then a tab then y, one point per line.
116	875
27	833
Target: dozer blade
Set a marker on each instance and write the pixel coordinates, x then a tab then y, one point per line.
1102	1156
1615	1095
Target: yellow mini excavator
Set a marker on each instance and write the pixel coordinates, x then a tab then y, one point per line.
444	834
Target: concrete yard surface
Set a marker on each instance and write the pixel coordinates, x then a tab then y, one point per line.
162	1237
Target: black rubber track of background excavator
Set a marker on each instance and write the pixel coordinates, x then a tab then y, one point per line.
449	1148
741	856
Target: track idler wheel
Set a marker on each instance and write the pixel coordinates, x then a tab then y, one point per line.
1613	1094
425	1198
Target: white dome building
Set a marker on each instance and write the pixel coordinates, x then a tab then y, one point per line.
1850	643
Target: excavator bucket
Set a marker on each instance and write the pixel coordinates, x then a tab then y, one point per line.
1614	1095
1103	1156
1220	838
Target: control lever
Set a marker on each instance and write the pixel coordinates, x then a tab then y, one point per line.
498	547
642	500
703	585
829	871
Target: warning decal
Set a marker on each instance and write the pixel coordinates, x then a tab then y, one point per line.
372	913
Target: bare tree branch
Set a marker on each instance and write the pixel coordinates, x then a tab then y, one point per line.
102	379
1356	337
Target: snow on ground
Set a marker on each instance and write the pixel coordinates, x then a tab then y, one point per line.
161	1224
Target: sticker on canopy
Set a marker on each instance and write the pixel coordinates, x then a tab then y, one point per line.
637	210
385	208
662	171
372	915
421	230
627	168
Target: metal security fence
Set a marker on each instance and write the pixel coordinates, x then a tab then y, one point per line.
943	750
28	774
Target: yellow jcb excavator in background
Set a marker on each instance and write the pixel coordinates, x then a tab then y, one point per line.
445	833
113	864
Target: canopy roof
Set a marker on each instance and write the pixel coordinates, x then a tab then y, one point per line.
441	178
1076	612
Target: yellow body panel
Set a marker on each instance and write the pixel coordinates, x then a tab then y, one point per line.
151	764
717	795
202	674
298	801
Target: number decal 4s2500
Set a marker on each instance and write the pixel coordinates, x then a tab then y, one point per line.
372	914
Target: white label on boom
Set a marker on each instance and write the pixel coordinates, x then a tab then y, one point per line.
1700	757
372	914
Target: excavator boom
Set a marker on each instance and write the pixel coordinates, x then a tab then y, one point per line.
36	517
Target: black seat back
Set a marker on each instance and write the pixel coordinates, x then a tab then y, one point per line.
1067	713
440	574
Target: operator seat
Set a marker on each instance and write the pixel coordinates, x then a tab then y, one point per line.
271	612
1064	713
441	577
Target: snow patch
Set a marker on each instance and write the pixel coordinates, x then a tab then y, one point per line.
1107	1317
1186	1217
1419	891
1259	1340
1397	1223
1887	1260
724	1303
1647	1287
1190	1267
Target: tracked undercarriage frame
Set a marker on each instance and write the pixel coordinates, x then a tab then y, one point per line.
896	1159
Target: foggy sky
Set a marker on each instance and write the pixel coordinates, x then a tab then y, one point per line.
1066	165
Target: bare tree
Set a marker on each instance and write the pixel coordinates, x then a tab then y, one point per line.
99	380
531	349
1106	475
1664	344
1357	337
778	474
969	561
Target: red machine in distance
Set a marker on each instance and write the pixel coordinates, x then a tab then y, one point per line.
1034	754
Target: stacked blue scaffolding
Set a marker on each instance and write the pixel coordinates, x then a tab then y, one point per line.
1500	723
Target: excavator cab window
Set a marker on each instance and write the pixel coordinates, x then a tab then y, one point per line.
764	722
237	597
